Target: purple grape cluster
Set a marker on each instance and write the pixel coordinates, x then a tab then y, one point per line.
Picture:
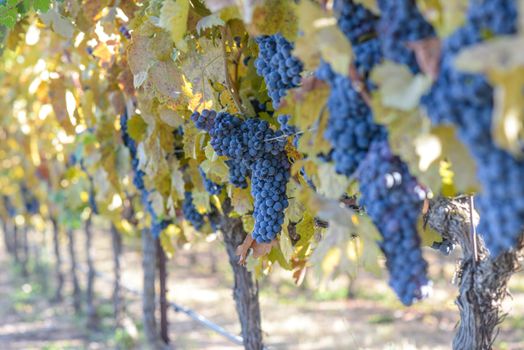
359	25
393	200
351	128
253	148
190	213
237	139
211	187
355	21
270	177
280	69
124	31
157	224
401	23
31	203
138	178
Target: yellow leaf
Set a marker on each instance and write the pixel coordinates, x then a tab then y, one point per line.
305	228
136	128
285	243
399	88
321	38
241	200
508	118
248	223
173	18
167	244
275	16
332	185
59	23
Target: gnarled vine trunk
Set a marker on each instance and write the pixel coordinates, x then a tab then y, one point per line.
118	306
92	318
77	297
58	262
482	280
245	290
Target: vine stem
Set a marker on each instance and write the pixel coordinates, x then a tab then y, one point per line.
229	83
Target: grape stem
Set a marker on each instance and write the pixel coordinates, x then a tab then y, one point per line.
358	84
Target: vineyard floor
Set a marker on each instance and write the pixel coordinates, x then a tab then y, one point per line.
311	317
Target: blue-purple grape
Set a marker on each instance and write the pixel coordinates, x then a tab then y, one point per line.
190	212
276	64
393	200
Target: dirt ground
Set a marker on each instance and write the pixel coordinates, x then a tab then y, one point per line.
311	317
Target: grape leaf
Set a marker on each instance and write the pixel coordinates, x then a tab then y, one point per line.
241	200
173	18
399	88
60	25
210	21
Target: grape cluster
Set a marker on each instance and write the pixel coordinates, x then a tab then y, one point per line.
401	23
393	200
359	26
190	213
253	148
350	126
124	31
31	203
138	179
237	139
280	69
466	101
211	187
355	21
157	224
270	176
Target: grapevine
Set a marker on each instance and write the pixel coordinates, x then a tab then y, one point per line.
466	100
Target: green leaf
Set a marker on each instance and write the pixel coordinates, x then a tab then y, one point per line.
8	16
41	5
